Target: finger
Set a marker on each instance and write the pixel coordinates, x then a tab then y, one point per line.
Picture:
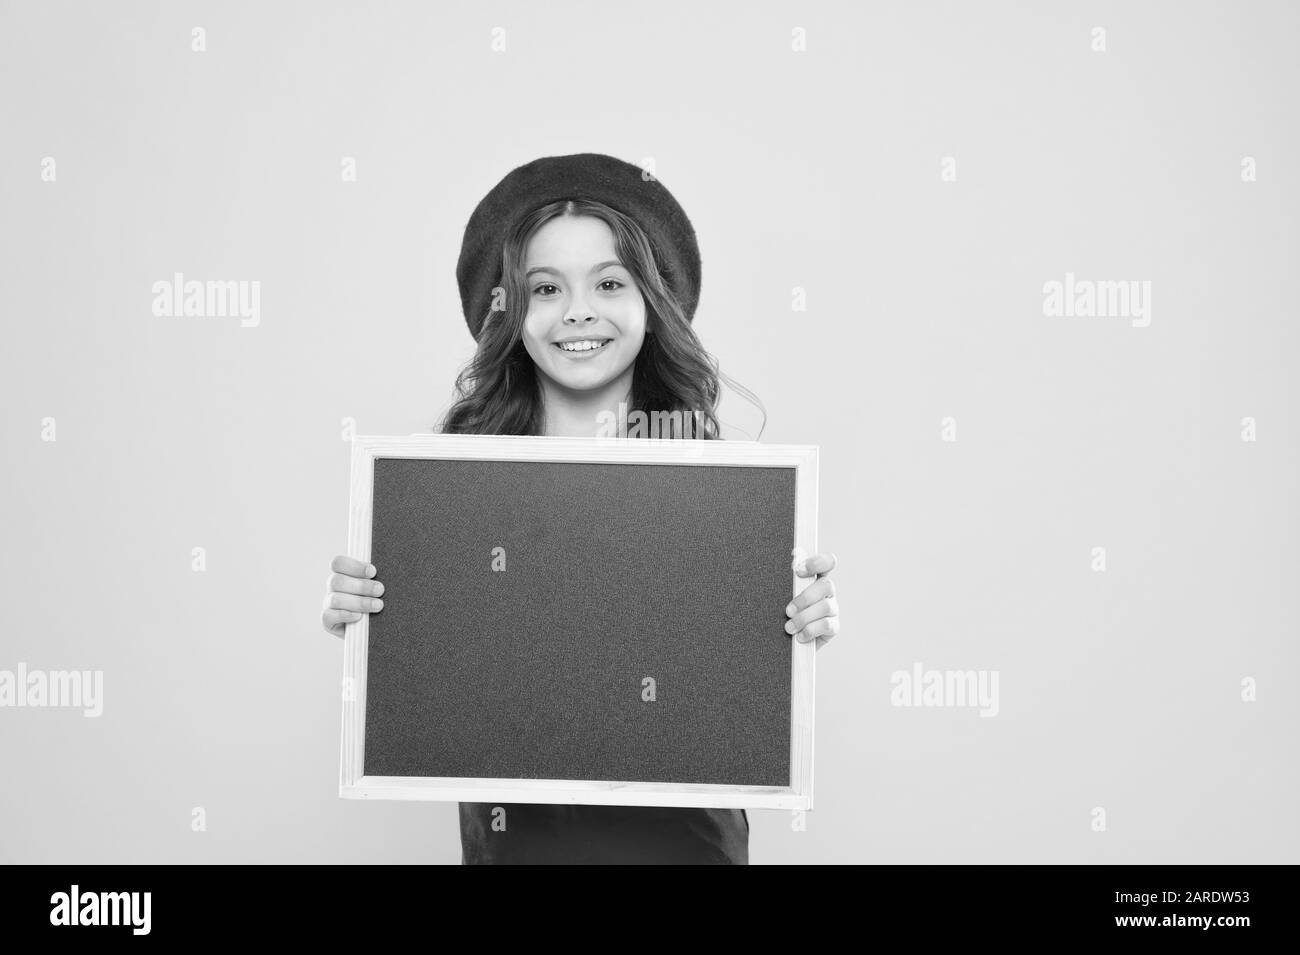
816	564
352	567
354	585
819	589
352	602
822	608
336	620
821	630
334	617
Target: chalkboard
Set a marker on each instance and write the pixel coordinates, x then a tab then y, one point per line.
580	620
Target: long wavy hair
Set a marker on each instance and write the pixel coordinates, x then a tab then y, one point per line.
498	392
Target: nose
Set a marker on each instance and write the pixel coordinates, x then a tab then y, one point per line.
579	315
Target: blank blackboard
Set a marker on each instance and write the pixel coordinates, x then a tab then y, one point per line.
612	617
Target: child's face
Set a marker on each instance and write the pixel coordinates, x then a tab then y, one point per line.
585	324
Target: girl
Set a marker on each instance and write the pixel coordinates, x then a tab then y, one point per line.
579	278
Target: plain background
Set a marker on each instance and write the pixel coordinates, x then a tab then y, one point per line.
817	170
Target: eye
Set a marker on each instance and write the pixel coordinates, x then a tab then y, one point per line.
542	286
615	281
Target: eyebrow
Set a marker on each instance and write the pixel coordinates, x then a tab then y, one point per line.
594	268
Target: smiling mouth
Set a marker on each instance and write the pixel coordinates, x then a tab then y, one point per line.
585	345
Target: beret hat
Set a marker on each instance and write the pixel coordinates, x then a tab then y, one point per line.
612	181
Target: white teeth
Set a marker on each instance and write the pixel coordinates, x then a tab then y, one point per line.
580	346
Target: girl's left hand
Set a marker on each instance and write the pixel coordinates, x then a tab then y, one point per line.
814	613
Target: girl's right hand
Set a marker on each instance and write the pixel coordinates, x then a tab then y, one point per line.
352	591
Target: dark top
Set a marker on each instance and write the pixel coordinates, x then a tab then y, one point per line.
528	833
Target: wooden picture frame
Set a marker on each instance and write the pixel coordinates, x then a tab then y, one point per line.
354	784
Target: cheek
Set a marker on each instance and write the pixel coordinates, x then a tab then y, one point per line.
534	332
632	321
